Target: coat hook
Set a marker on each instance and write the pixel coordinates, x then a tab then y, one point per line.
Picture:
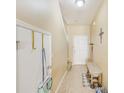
33	40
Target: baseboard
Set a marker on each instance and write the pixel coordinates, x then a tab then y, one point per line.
78	64
60	83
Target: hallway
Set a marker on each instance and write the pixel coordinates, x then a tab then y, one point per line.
54	35
73	81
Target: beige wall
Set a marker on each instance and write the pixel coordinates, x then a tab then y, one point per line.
101	50
45	14
73	30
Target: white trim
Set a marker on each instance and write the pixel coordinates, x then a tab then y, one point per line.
60	83
77	64
23	24
61	17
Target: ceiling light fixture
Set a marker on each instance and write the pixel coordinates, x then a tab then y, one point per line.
80	3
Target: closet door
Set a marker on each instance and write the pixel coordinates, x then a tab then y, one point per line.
23	61
48	51
37	59
29	61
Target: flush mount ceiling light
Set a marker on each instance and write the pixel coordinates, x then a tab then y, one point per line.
79	3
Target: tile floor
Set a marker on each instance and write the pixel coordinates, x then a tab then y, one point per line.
73	81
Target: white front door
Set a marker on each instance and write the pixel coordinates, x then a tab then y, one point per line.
80	49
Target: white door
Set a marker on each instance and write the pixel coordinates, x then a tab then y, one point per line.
29	61
80	49
48	50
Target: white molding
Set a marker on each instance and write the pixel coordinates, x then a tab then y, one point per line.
23	24
77	64
60	83
61	18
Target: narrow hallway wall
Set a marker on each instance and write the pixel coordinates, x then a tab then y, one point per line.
100	55
46	15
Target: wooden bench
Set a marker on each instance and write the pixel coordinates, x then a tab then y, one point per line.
95	72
